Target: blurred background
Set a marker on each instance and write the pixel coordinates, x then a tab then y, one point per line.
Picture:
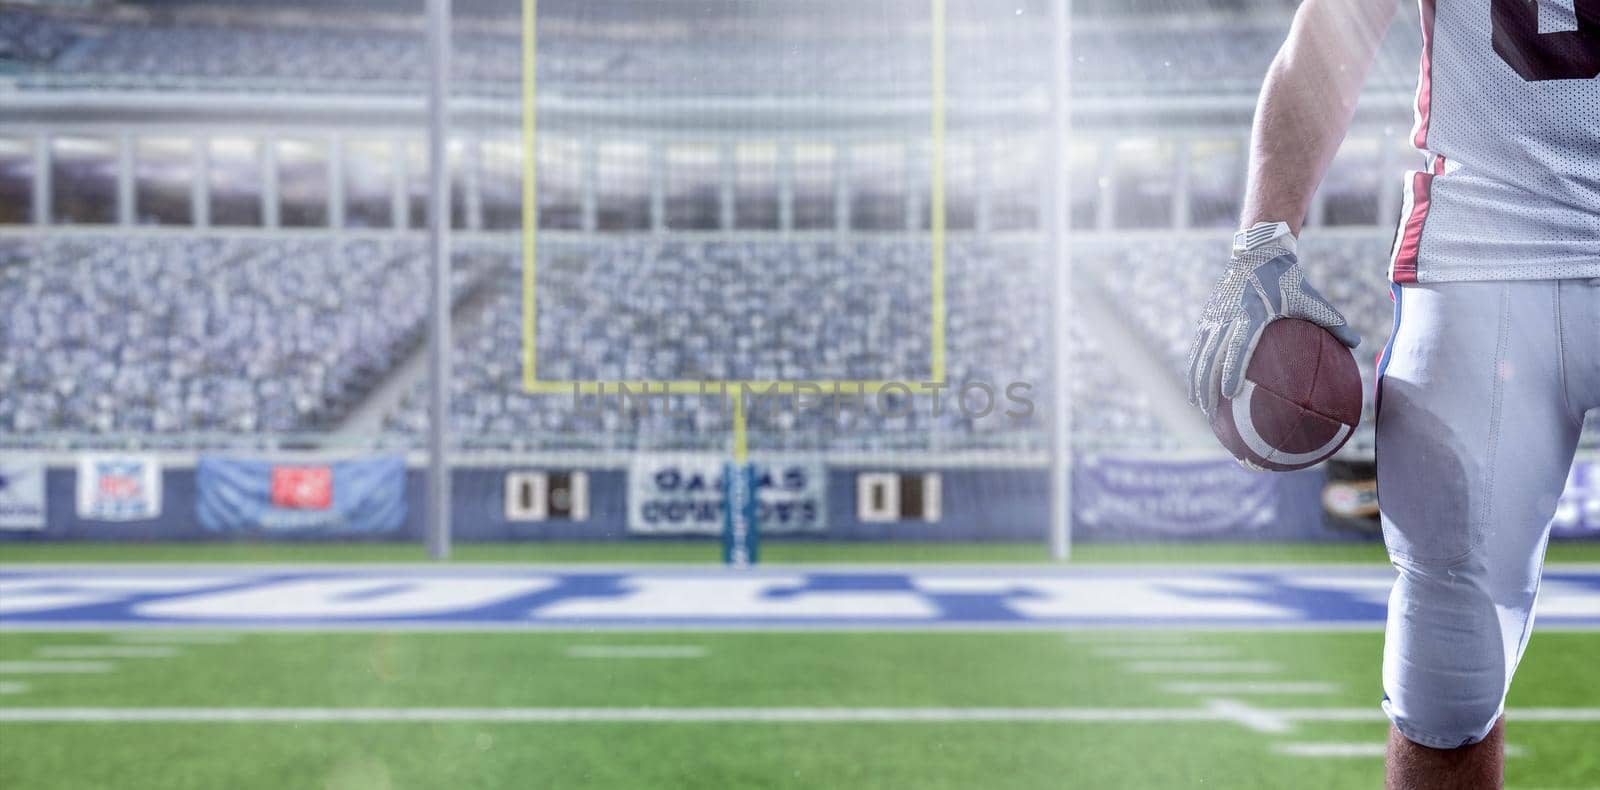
214	319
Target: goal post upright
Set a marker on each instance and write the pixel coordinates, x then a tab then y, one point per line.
937	371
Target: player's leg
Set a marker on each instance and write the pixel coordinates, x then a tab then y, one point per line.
1479	765
1474	440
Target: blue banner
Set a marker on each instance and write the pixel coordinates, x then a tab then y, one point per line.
21	494
355	497
1123	498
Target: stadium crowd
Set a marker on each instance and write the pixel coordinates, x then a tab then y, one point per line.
1227	55
107	334
1165	290
199	333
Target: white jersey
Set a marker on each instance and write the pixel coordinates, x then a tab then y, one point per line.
1508	112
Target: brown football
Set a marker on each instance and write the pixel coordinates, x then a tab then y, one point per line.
1301	400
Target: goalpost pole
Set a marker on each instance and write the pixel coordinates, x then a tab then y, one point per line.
1061	460
438	522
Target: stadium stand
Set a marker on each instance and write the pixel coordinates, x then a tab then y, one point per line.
29	38
116	335
104	334
1162	284
1223	56
749	310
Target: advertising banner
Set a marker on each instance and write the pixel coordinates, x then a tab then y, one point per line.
354	497
21	494
119	488
1578	512
682	494
1151	497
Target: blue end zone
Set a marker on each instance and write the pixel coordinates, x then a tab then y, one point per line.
494	598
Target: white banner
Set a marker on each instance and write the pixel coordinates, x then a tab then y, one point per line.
681	494
119	487
21	494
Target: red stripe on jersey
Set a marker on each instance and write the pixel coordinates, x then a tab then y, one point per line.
1404	269
1425	81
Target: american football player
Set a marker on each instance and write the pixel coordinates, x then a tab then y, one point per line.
1494	357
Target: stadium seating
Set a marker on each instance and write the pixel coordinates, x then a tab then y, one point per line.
1226	57
808	311
196	334
185	334
1163	283
30	38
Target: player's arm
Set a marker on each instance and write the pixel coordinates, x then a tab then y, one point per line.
1305	107
1306	104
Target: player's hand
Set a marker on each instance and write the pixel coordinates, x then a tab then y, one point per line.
1262	284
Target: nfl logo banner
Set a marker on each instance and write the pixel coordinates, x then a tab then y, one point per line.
21	495
302	487
355	497
119	488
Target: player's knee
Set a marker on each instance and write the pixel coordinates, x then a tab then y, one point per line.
1444	723
1446	655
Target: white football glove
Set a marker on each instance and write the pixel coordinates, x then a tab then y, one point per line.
1263	283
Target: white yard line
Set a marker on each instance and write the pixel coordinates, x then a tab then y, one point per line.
1550	715
1362	749
106	651
612	715
1230	711
1253	687
1204	667
637	651
171	638
54	667
1258	719
13	687
1112	636
1165	651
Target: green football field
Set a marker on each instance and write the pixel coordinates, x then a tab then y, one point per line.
433	710
1146	708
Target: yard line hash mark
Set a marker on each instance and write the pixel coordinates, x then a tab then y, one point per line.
1204	667
106	651
54	667
637	651
1165	651
1253	687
